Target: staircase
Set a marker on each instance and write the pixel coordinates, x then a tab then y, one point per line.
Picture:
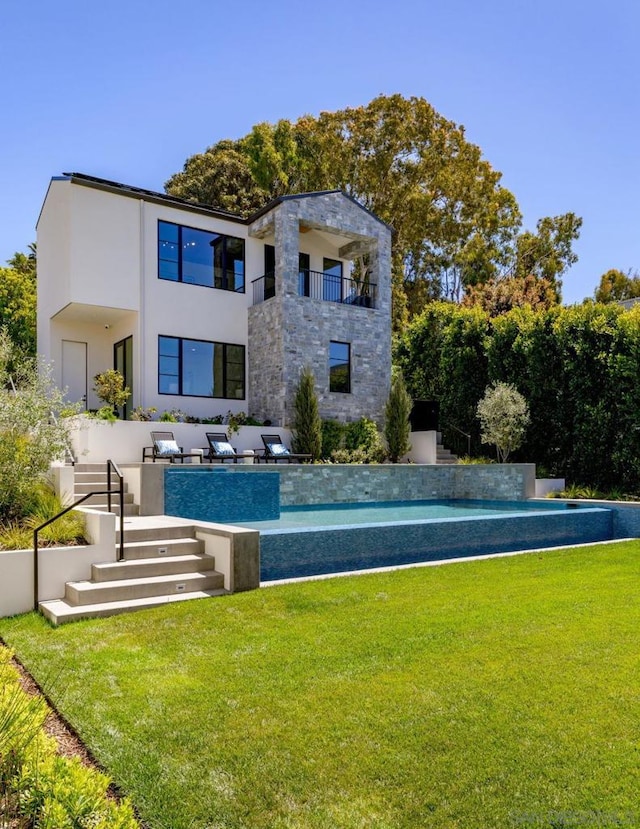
444	456
90	476
163	562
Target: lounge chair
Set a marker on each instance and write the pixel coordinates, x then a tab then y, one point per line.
275	450
165	448
220	449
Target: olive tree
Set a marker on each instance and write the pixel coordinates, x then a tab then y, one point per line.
504	417
30	437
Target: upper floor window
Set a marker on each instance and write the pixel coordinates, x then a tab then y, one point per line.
200	257
198	368
339	367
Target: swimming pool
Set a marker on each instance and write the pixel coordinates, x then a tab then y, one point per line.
337	538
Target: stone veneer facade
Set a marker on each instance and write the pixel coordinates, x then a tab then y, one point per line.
288	332
304	484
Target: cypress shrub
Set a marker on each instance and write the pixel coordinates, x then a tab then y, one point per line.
307	425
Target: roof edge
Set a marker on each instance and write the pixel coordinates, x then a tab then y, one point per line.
131	191
149	195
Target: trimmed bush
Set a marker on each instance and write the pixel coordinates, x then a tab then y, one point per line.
577	367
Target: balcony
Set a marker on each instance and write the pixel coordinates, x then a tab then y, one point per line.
318	285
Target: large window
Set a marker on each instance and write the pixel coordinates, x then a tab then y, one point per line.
198	368
339	367
199	257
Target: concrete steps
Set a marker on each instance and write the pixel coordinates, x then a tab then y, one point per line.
149	567
93	476
163	562
58	611
444	456
162	547
89	592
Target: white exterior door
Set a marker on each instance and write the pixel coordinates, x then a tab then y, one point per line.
74	371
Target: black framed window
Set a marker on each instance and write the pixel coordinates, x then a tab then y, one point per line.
340	367
199	257
198	368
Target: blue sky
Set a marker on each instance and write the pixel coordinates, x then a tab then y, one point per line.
128	90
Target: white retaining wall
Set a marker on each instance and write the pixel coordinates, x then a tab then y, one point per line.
122	441
56	565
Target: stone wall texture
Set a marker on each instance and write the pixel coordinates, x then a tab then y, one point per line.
289	332
302	484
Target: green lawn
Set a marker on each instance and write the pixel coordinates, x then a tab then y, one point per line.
496	693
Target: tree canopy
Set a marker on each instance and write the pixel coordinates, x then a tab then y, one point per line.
616	285
455	225
18	301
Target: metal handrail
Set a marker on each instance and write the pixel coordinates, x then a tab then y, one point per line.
320	285
468	436
108	492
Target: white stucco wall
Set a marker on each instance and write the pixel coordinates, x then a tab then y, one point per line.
177	309
98	284
56	565
94	440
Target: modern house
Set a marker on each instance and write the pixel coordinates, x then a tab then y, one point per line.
205	311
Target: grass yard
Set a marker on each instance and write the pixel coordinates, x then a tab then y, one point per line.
496	693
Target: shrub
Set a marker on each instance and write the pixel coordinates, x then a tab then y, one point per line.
43	505
396	419
362	443
504	416
110	388
30	439
350	456
145	415
332	437
307	425
37	786
21	718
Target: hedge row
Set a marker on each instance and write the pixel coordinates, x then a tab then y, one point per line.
578	368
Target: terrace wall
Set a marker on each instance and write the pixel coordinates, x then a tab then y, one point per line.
334	483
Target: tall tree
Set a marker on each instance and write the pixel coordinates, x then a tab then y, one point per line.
498	296
616	285
455	225
548	253
18	301
220	177
307	424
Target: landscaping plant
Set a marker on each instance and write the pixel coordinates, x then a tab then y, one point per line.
38	787
504	416
306	427
43	505
396	418
30	438
332	437
110	388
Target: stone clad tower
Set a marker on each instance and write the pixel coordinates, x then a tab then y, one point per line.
312	310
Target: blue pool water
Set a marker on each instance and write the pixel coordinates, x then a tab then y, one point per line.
331	515
344	537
